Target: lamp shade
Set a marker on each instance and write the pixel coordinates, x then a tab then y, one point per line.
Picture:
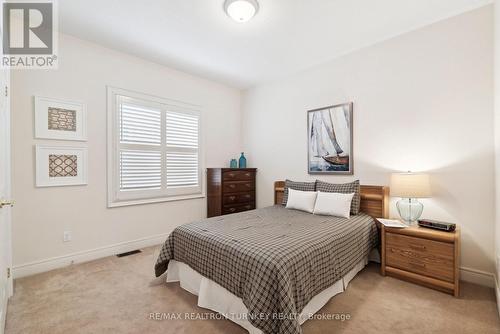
410	185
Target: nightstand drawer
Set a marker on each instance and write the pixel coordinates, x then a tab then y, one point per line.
420	245
421	256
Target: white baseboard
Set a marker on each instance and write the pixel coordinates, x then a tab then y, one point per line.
31	268
477	276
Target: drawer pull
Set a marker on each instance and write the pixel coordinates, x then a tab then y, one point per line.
232	186
248	207
247	174
232	198
419	265
417	247
247	196
248	185
232	209
231	175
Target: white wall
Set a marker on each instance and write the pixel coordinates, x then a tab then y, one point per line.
42	214
422	101
497	141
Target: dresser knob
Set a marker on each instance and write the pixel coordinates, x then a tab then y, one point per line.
231	175
232	186
247	174
247	196
232	198
232	209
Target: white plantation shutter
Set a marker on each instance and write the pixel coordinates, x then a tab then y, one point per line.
182	131
139	125
140	165
155	150
140	170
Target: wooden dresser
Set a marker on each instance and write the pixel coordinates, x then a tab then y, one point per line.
424	256
230	190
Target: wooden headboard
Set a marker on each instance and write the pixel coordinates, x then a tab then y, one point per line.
374	199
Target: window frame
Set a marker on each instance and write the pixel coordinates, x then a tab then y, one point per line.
117	198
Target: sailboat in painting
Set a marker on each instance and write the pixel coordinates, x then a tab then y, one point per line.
330	139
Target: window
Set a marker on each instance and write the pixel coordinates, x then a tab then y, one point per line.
154	149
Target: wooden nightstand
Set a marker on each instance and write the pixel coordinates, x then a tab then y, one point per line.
423	256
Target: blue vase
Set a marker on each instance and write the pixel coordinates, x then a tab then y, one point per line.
243	161
233	164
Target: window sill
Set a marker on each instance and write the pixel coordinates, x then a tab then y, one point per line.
117	203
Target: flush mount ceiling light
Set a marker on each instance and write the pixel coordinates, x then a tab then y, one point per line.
241	10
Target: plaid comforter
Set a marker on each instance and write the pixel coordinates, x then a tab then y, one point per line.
275	259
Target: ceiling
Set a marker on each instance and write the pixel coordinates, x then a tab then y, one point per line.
285	37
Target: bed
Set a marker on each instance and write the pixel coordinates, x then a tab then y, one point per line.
270	269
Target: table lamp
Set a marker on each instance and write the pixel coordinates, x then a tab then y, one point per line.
410	186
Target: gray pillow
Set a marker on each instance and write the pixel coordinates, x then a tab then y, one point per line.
302	186
346	188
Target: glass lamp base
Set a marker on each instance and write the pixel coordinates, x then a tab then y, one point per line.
410	209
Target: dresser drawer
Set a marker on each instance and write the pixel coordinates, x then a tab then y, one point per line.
238	186
239	175
227	209
421	256
239	198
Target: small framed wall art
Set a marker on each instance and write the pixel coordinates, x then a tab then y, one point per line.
60	119
60	166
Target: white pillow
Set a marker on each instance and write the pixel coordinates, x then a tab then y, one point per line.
333	204
301	200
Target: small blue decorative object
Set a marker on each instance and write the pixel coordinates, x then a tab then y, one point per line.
243	161
233	164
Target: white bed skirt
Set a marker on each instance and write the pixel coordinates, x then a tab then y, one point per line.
215	297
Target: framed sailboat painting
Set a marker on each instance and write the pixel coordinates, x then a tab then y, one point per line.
330	140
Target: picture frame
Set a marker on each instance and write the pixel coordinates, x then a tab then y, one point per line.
330	140
61	166
60	119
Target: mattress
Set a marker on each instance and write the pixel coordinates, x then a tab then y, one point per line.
274	259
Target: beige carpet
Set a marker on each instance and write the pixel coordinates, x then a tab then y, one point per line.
114	295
